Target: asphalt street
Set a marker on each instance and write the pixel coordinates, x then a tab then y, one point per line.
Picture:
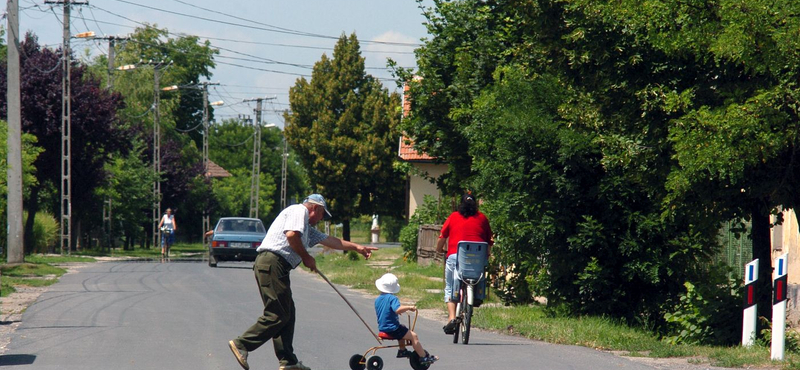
180	315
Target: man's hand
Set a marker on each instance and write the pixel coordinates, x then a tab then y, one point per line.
366	251
310	262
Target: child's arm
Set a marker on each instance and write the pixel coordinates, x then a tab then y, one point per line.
403	309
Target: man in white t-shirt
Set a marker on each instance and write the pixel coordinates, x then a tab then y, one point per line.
283	249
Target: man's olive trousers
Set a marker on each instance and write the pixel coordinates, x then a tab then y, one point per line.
277	321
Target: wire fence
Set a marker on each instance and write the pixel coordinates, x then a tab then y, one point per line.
737	247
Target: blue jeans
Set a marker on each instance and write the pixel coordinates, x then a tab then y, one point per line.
168	238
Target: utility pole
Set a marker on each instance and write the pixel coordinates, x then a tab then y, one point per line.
206	218
255	183
256	174
284	157
66	127
107	204
203	86
157	67
15	237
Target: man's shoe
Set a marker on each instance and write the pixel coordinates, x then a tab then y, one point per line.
241	355
298	366
403	353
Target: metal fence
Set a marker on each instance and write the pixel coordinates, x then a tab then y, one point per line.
737	247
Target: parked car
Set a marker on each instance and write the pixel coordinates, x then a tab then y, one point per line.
235	239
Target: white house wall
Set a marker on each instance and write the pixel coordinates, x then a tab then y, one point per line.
419	186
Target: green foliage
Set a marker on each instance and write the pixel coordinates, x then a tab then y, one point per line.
46	231
432	211
130	190
706	314
409	236
233	193
343	127
391	227
180	118
611	139
30	151
233	140
791	336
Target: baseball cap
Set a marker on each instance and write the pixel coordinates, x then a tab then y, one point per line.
318	199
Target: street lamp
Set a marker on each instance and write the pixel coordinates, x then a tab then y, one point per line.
84	35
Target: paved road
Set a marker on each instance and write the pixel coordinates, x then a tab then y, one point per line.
149	315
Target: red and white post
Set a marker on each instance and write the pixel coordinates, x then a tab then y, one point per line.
779	286
749	315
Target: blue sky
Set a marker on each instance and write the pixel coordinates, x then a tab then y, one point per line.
284	37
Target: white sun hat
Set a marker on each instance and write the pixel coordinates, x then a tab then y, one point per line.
388	284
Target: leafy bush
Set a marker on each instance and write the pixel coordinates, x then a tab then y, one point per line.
390	228
432	211
408	240
706	314
45	231
791	336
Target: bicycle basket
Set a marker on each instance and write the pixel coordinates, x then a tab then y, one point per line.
471	259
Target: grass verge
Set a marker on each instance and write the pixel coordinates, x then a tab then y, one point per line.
37	271
422	285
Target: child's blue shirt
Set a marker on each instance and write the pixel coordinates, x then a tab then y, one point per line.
386	306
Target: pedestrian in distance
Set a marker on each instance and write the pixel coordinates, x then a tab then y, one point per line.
388	310
283	249
466	224
168	228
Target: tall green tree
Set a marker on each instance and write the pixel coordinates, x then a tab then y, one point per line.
565	112
183	61
231	147
29	153
343	127
95	132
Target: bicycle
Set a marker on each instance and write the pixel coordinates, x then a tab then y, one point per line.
166	239
471	258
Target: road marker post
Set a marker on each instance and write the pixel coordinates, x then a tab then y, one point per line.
749	315
779	286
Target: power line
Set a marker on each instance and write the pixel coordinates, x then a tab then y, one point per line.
269	28
94	19
263	60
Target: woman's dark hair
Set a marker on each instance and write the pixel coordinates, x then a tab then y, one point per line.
468	206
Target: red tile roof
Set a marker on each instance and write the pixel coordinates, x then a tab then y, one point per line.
407	151
216	171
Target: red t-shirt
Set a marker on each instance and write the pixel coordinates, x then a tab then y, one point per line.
459	228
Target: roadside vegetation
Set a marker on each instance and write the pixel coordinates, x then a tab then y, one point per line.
421	285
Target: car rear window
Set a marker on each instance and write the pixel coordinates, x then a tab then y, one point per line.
241	226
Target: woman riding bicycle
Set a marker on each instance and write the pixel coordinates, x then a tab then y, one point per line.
466	224
168	227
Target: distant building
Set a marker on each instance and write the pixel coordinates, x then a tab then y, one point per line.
216	171
418	186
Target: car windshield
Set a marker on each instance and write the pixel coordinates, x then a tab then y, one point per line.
239	226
